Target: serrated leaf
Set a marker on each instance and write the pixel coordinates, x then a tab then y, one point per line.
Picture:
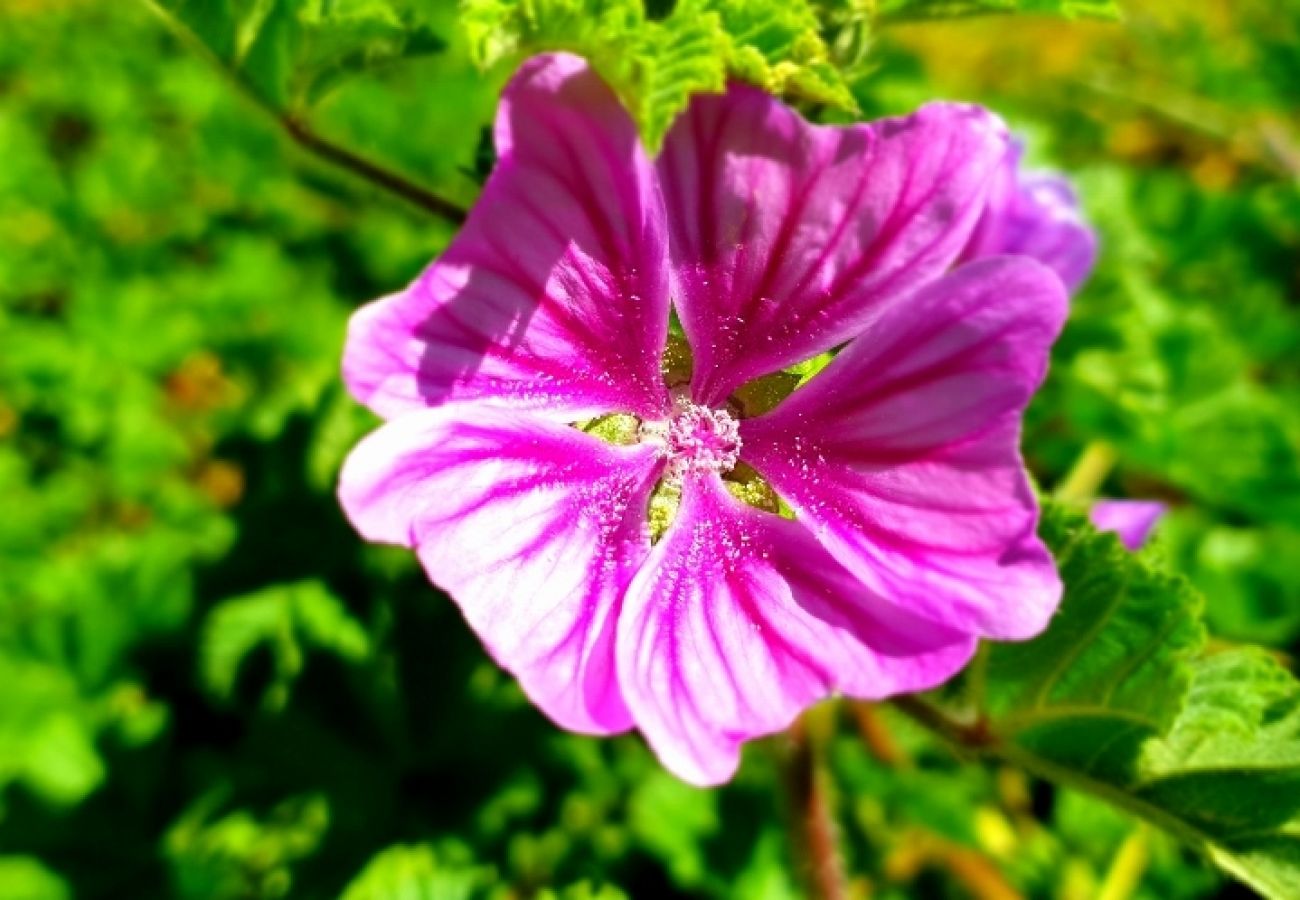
341	37
1118	698
1117	651
500	30
779	46
287	619
683	55
1230	769
656	66
907	10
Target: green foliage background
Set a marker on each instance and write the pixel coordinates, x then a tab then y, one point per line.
211	688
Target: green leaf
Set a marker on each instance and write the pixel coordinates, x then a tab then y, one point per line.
265	51
1118	698
241	854
656	66
779	46
415	872
681	56
1246	574
217	23
907	10
1116	654
341	37
47	732
25	878
510	29
1230	768
287	619
290	53
673	821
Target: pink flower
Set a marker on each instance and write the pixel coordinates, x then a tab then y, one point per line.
912	530
1035	214
1132	520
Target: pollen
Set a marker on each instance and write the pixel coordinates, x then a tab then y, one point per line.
696	439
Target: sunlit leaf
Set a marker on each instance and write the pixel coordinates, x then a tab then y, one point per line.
288	620
1119	698
656	64
25	878
415	872
242	854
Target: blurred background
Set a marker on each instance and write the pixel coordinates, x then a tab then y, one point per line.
211	688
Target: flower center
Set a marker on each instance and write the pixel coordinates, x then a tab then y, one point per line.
696	439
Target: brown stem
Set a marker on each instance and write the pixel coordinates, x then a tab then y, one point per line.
363	168
812	816
974	735
875	734
978	738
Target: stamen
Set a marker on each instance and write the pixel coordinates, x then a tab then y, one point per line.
696	439
701	439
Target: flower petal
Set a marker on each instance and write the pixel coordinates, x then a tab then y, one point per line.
1132	520
554	295
738	620
535	529
785	236
903	453
1035	214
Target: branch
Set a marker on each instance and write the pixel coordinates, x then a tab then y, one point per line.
972	736
307	139
365	169
811	816
979	738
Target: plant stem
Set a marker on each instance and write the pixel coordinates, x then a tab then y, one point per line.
980	738
875	734
365	169
1085	479
812	816
977	677
302	135
1125	872
967	735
